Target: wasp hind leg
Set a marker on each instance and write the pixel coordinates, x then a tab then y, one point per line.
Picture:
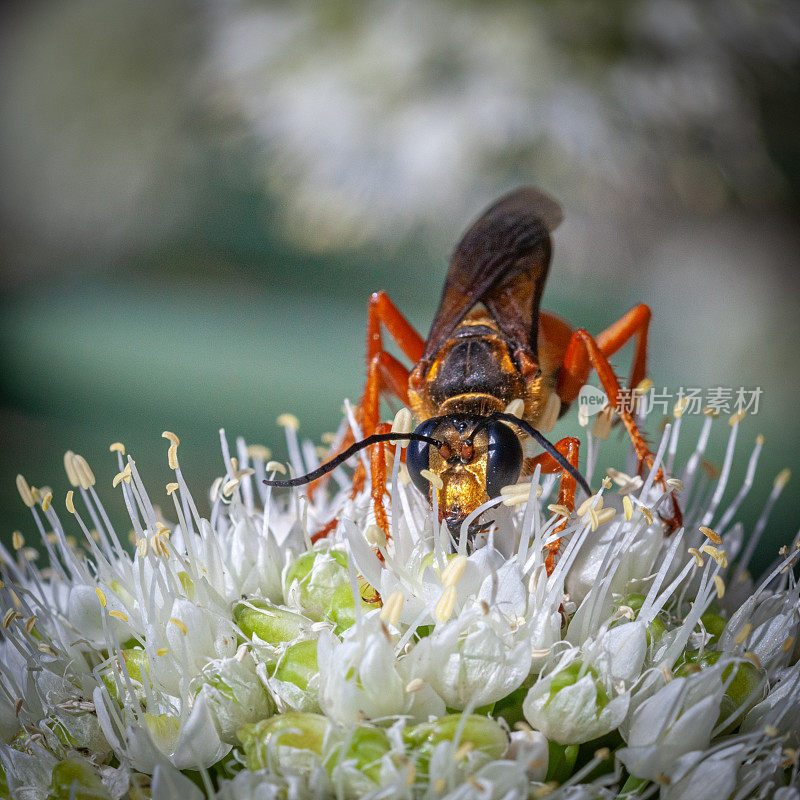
583	349
570	449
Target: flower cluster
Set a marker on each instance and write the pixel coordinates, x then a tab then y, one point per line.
230	657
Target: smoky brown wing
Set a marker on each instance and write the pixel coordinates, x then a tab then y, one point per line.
501	261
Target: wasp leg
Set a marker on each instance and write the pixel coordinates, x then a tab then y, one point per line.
377	469
582	346
384	373
570	449
635	323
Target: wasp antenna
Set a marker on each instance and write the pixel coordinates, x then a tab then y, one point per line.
352	450
546	445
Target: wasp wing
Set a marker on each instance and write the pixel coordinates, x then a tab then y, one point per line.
502	262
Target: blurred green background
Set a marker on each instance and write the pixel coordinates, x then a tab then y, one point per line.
198	198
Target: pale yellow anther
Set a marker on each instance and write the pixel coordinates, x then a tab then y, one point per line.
36	494
403	474
452	573
230	487
447	602
606	515
675	483
9	617
70	501
328	437
46	501
432	478
627	508
752	657
275	466
414	685
439	785
234	464
25	491
593	520
643	387
403	423
100	596
720	556
172	487
83	471
698	558
552	411
602	754
289	421
709	411
464	751
737	417
125	475
259	451
719	585
244	473
162	651
606	482
788	644
141	547
117	447
760	440
118	614
680	407
159	546
172	456
375	536
713	536
668	674
517	493
29	623
169	435
771	731
743	633
782	478
601	429
516	408
179	624
17	540
627	612
69	468
390	612
647	514
561	510
584	507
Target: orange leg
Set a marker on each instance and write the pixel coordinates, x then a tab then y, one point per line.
582	346
384	373
570	449
577	363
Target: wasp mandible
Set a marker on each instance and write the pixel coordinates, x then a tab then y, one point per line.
490	345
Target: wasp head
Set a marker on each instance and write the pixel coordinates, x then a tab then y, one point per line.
477	457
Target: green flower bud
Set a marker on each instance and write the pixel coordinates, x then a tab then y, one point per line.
268	621
136	662
747	688
296	730
72	779
483	733
313	578
342	610
570	675
366	747
298	664
714	624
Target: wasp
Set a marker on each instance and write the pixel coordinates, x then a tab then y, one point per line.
490	349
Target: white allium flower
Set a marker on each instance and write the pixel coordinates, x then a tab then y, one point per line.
231	657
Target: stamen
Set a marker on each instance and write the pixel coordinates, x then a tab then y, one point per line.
720	586
25	492
179	624
711	535
392	607
432	478
69	502
627	507
452	573
117	447
403	423
447	602
414	685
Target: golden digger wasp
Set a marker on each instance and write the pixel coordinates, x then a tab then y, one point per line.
490	350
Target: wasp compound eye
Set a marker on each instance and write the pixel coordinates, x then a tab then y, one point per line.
418	453
504	458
